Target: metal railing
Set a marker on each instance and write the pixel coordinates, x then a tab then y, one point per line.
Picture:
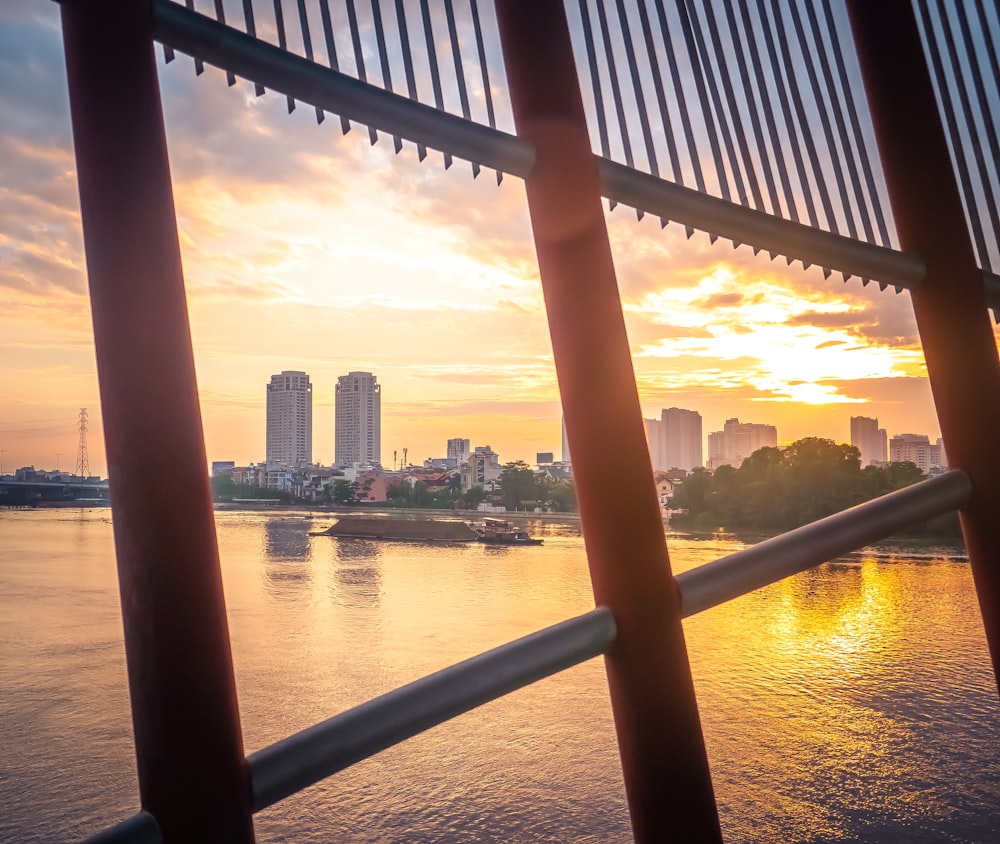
305	758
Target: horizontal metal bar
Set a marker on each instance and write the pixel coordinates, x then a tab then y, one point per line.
810	545
141	828
319	751
280	70
762	231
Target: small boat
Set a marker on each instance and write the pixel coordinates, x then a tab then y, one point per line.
500	532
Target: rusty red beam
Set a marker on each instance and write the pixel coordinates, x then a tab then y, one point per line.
663	754
950	305
193	777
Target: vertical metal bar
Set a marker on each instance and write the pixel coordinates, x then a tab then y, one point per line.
595	82
411	80
456	55
785	55
193	777
432	61
780	91
199	65
308	46
700	78
331	49
838	110
660	91
252	32
383	57
664	762
279	22
359	58
833	149
668	46
735	119
616	91
484	71
950	305
753	105
640	100
984	109
220	16
968	133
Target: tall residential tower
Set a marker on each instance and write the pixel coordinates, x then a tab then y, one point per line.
289	419
358	419
675	439
869	439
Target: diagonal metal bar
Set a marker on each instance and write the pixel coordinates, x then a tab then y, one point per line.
640	100
700	80
661	94
359	55
279	23
306	42
808	546
141	828
425	15
383	57
955	137
220	16
484	71
456	55
616	91
848	91
811	55
753	106
968	134
411	81
331	50
692	149
326	748
735	119
251	26
595	83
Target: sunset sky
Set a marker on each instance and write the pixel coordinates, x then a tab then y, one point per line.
305	249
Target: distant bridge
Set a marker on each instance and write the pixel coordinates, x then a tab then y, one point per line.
29	493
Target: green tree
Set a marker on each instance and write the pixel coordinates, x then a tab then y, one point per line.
517	482
343	491
562	497
473	497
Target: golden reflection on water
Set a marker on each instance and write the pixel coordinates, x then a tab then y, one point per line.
849	702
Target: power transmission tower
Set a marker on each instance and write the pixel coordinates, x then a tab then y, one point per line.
82	460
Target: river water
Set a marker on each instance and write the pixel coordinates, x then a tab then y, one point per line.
852	702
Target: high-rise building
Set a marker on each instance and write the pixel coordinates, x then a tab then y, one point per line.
917	449
675	439
358	419
459	450
482	469
737	441
289	419
868	438
565	443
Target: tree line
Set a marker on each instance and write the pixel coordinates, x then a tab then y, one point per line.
520	488
780	489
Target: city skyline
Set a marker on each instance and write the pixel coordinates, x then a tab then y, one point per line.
281	221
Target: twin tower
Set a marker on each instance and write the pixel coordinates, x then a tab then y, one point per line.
357	420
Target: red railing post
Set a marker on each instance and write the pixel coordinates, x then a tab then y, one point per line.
193	777
663	754
950	305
